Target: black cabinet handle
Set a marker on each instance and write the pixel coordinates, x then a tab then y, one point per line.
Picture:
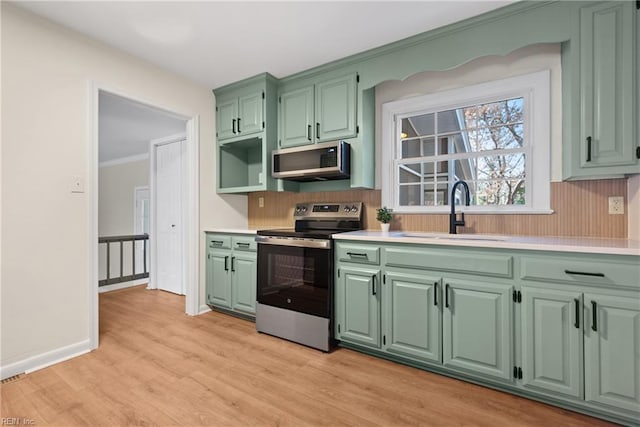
588	149
233	125
242	245
226	263
373	284
584	273
435	293
357	254
309	132
239	125
577	322
233	267
594	316
318	130
446	295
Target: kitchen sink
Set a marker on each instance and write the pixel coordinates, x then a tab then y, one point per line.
457	237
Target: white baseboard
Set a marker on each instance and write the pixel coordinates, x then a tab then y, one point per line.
43	360
122	285
203	309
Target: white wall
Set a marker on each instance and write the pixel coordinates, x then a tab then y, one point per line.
46	75
116	185
522	61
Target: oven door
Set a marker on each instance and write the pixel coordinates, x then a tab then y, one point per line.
295	274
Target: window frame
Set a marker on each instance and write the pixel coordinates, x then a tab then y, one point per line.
534	88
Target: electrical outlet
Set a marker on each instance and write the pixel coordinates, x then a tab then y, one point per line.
616	205
261	202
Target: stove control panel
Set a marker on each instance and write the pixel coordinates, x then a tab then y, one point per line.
328	210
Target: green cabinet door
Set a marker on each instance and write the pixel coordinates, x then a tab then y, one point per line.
250	113
612	351
296	117
607	69
243	282
226	118
477	319
218	278
413	317
359	302
335	108
552	340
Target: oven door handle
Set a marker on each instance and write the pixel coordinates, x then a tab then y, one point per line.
301	243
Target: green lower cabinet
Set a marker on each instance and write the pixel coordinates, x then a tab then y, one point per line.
231	273
358	294
243	282
413	315
612	351
477	332
218	278
552	340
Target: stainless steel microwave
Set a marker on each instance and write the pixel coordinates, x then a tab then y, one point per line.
317	162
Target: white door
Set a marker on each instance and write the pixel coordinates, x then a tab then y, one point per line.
169	216
141	216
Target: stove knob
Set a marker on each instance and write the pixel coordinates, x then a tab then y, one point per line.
346	209
354	209
303	209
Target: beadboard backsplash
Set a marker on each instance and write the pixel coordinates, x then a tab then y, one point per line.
580	209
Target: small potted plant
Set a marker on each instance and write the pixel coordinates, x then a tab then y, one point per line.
384	215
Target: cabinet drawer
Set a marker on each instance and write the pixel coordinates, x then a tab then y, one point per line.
218	241
361	254
572	270
244	243
451	260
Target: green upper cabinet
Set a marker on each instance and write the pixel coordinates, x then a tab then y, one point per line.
296	117
318	112
336	108
612	351
241	115
250	113
246	129
226	117
606	142
552	340
477	332
413	316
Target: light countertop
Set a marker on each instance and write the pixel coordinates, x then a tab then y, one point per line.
242	230
558	244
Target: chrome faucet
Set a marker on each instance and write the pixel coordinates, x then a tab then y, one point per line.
454	222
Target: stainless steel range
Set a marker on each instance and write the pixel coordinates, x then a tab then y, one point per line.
295	273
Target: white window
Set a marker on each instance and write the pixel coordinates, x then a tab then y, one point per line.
495	136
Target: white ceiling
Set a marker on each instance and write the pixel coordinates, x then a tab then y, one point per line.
219	42
126	127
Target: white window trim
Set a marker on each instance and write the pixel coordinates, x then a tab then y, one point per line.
534	88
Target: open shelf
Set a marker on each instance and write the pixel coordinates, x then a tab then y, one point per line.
241	164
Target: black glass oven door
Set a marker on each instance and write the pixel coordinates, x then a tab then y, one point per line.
295	278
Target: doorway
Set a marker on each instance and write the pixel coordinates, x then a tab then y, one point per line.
190	222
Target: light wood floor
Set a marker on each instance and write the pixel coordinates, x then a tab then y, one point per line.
157	366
